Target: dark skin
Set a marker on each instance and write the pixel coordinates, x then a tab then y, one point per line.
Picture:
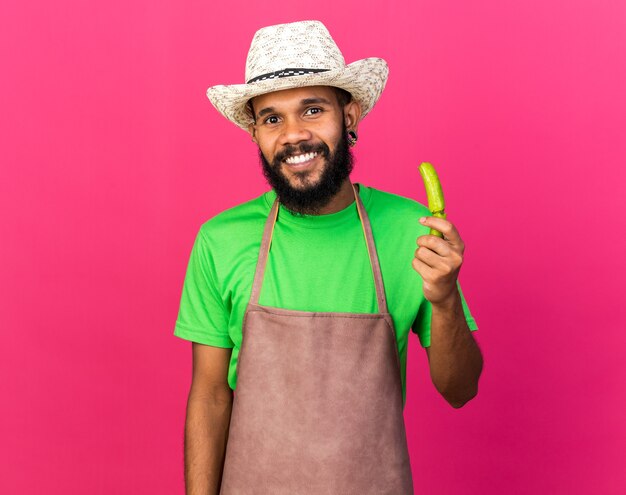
294	116
209	407
454	358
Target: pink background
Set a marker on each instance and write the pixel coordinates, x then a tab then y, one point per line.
112	157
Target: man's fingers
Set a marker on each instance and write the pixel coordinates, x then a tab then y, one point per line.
429	258
422	268
445	227
434	243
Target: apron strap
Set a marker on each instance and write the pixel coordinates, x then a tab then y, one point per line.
371	251
263	253
369	239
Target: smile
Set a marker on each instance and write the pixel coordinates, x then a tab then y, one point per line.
298	159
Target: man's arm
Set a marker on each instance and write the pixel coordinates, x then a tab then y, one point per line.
454	357
208	418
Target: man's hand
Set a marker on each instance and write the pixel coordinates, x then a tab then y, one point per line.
438	260
454	357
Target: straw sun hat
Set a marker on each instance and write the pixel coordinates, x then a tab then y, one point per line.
292	56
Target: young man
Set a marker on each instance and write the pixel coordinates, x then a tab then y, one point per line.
301	300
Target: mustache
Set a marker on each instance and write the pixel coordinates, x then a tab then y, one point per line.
289	150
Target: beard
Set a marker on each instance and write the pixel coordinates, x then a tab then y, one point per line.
309	199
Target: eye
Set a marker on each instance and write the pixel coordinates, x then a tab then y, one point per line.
272	119
313	111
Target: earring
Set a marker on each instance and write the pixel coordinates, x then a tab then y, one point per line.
352	137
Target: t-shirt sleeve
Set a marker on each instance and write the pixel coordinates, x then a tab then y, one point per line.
202	316
421	325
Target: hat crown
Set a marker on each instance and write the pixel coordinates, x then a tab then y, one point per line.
303	44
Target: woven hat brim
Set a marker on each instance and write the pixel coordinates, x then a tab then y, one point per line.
365	79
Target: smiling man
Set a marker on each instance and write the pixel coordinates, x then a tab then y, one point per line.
295	130
299	302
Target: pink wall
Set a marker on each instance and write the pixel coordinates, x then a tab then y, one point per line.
112	157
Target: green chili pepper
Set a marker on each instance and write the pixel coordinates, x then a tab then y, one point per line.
436	203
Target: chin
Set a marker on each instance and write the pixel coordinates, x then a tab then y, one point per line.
304	180
307	183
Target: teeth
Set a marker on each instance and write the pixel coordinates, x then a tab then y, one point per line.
293	160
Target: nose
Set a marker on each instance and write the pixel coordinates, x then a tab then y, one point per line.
294	131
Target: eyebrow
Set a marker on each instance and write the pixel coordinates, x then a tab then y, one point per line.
265	111
306	101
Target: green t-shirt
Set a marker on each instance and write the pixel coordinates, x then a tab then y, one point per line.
316	263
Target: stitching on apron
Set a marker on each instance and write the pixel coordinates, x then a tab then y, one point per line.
308	314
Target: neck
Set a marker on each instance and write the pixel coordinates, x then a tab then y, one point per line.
341	200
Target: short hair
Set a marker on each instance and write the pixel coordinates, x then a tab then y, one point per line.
343	98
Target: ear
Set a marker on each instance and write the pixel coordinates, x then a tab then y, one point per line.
352	115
